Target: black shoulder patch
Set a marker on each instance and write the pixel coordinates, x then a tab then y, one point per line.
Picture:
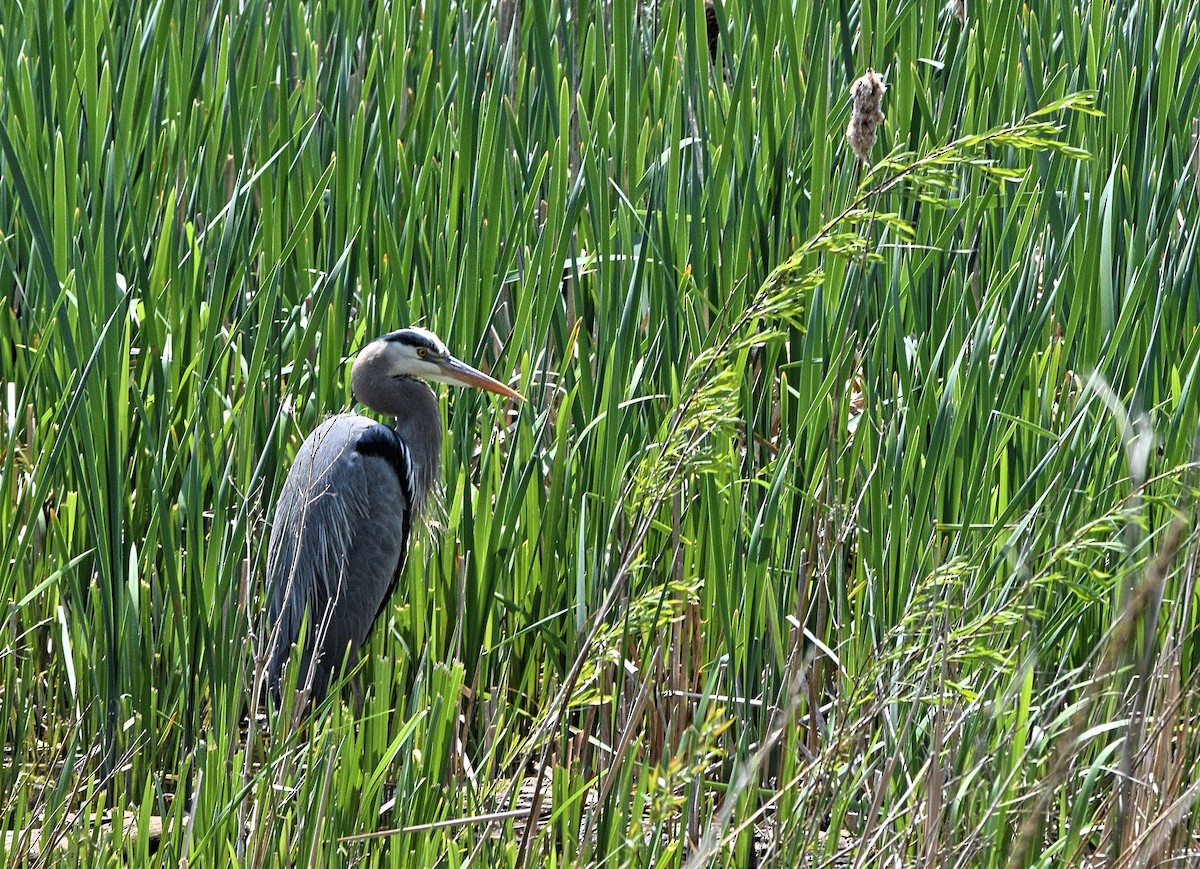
381	441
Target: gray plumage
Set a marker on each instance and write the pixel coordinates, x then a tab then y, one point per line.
342	524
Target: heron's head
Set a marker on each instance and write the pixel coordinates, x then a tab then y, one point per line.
416	352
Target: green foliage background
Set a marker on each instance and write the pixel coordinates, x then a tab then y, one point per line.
850	513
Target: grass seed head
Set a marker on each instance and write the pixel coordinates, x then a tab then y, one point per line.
867	93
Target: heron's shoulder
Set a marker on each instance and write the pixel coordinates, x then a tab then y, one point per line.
336	440
380	441
348	423
340	432
346	446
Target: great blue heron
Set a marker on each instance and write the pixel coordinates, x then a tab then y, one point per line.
342	523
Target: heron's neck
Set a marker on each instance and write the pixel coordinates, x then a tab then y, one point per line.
418	423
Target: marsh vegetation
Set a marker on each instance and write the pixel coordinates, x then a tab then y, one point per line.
850	519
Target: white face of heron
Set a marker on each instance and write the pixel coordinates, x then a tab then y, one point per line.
416	352
411	352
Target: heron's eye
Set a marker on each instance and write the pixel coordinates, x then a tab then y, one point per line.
422	352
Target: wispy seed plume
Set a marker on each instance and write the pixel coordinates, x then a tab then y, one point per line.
867	93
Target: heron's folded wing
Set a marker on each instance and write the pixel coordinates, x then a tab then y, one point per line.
339	532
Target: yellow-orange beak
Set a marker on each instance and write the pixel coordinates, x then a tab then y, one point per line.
461	374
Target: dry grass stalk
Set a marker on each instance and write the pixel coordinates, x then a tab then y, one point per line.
1196	154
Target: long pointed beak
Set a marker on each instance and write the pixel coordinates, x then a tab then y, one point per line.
462	374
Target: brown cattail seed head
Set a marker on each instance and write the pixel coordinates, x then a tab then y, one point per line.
867	93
